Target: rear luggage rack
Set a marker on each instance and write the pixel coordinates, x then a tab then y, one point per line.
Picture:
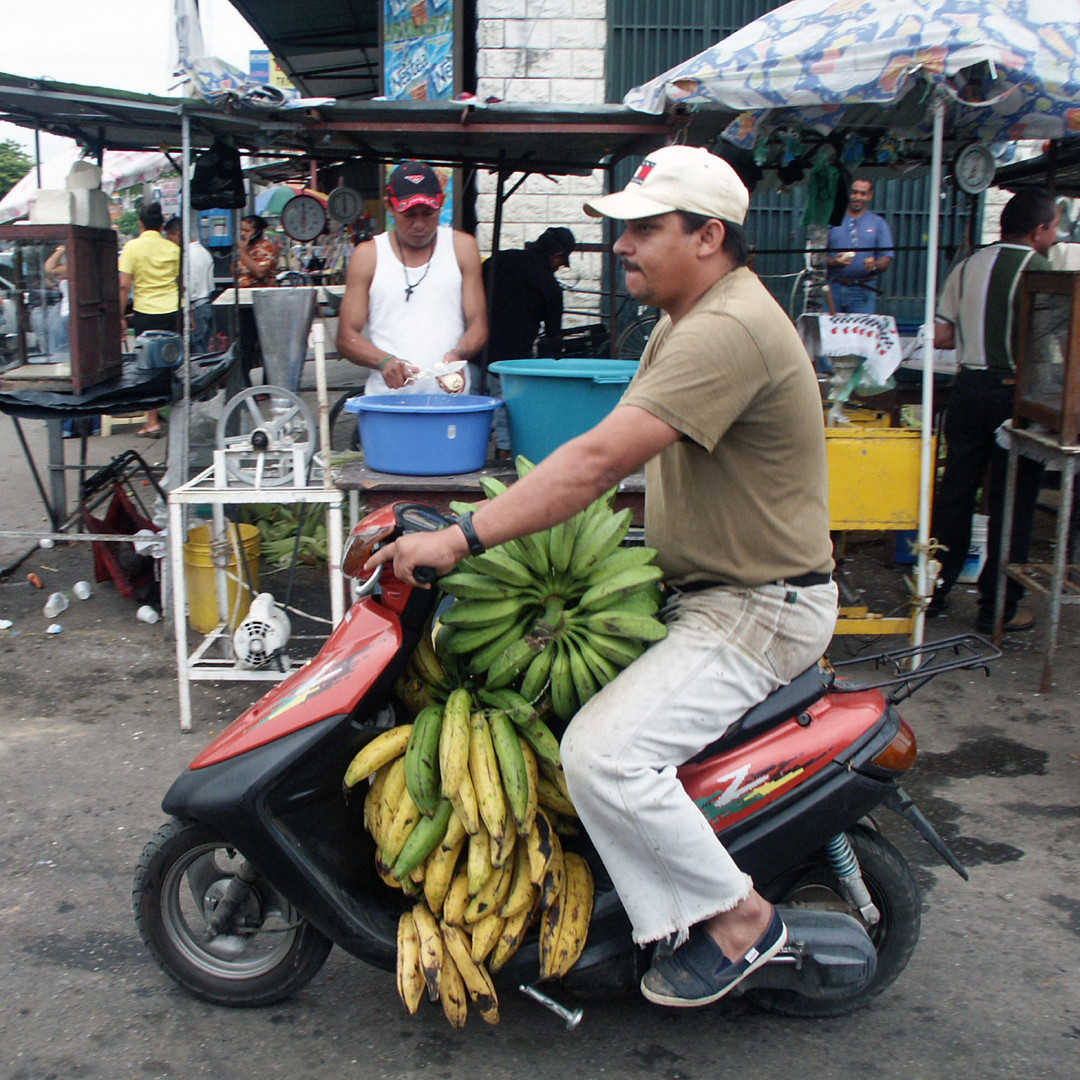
959	653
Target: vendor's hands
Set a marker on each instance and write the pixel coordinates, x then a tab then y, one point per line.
398	373
441	550
870	264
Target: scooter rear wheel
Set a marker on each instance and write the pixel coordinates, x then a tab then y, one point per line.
896	896
269	950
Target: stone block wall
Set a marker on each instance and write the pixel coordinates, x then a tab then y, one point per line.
544	51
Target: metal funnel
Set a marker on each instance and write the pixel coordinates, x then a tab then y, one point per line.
283	317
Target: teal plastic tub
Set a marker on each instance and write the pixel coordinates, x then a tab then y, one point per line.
549	402
424	434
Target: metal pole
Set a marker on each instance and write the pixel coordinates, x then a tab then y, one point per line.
927	464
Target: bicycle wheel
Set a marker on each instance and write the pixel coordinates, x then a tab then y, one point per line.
344	429
631	343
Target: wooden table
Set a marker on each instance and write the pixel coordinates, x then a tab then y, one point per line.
380	489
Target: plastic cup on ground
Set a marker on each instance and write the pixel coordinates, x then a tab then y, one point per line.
82	590
56	603
147	614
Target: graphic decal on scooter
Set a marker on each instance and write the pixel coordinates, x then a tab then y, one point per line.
323	681
740	790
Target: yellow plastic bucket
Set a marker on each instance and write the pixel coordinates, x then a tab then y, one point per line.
199	572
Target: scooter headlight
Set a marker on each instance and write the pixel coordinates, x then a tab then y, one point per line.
363	540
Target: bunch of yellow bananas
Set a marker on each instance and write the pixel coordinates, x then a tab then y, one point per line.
560	611
464	805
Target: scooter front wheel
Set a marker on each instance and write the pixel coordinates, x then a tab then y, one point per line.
266	952
896	896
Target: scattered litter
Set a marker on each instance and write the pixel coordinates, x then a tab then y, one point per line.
147	614
56	603
82	590
6	624
35	581
46	542
54	628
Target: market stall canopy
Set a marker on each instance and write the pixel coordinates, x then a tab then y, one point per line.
559	139
870	69
119	169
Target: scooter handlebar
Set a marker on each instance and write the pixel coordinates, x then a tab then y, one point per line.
425	575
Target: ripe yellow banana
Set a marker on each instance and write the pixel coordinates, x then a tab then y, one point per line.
485	936
491	895
415	693
452	993
478	862
553	797
522	892
541	842
454	741
410	975
383	748
555	875
502	850
532	772
390	798
400	829
441	865
513	933
427	662
464	801
484	770
457	898
477	981
565	925
373	802
431	948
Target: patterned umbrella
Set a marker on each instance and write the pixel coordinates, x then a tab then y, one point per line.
1004	69
905	72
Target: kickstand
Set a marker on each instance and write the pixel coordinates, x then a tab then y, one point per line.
571	1016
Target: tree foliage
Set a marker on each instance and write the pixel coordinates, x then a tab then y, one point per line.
14	165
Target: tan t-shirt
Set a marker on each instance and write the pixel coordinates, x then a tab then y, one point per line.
742	498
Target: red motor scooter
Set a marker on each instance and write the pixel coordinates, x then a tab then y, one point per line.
265	864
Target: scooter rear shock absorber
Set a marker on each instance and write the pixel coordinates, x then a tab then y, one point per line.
845	865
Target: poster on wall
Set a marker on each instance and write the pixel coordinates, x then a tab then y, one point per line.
418	61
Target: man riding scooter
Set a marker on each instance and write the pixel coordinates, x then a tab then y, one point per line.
725	415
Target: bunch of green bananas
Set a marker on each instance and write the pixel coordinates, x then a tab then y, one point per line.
559	611
465	805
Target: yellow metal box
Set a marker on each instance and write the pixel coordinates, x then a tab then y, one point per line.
873	478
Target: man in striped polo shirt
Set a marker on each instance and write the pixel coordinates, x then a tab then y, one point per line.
977	316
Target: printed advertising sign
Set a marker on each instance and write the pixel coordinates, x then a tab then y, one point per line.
418	59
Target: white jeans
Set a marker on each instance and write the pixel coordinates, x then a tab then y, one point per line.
727	649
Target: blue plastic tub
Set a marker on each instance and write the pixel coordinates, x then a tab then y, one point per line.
549	402
424	434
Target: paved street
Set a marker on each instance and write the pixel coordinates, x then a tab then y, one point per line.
89	742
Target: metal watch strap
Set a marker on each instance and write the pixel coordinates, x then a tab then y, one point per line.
464	522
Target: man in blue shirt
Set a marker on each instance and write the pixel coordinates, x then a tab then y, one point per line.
860	248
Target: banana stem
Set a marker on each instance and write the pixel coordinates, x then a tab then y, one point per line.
549	621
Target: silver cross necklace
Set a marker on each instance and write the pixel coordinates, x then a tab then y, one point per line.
410	286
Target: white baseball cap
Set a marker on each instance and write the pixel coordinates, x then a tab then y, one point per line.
677	178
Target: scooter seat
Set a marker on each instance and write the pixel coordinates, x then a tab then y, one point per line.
780	705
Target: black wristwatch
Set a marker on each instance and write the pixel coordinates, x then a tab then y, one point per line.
464	522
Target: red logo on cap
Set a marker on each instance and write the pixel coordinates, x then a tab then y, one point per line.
643	171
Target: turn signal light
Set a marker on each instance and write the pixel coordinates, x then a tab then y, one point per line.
900	754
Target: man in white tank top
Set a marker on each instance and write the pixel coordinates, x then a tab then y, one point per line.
414	296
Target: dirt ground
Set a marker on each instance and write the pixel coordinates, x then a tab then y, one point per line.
89	742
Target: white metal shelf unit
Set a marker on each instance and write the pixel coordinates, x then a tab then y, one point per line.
211	488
